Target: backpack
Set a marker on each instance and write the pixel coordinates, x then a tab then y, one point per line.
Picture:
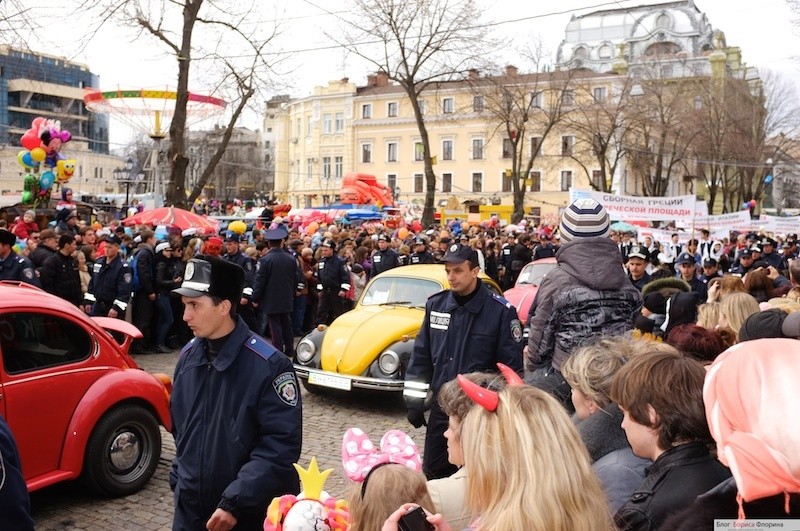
136	282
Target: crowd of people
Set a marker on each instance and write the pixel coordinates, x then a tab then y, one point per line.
623	409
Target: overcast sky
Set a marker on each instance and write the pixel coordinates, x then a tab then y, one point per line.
763	30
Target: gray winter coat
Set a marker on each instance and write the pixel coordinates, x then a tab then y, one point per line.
586	296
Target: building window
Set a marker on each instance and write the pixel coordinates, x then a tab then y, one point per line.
536	100
366	111
505	182
391	152
447	183
418	183
338	167
447	150
508	148
536	181
391	109
478	103
298	128
327	123
566	180
448	106
599	94
419	152
536	146
366	152
309	169
605	52
597	179
477	182
568	98
477	148
326	168
308	126
536	215
339	122
566	145
391	182
422	106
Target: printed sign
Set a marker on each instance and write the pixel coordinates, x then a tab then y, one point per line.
626	207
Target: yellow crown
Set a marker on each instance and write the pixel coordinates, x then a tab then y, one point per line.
312	480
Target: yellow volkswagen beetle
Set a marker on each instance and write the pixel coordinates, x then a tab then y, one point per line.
369	346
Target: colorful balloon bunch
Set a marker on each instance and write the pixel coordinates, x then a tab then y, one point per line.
43	143
749	204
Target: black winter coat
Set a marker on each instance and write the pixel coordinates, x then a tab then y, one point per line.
671	485
60	276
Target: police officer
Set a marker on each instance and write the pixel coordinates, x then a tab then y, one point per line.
235	255
15	504
12	265
110	287
467	328
384	258
333	285
638	256
421	254
235	407
771	257
745	263
710	271
545	248
505	262
276	281
687	270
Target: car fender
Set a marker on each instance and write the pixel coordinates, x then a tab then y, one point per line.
127	385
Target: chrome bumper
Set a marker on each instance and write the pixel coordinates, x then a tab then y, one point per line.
359	382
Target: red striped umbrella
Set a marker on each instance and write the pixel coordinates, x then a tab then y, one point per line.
173	217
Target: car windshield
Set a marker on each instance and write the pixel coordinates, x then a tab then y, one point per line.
400	291
533	274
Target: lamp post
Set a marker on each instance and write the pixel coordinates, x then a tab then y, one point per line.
125	175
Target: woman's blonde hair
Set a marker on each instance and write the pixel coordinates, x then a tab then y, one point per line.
708	315
591	370
527	467
736	308
386	489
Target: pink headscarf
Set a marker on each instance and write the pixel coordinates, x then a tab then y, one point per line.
750	399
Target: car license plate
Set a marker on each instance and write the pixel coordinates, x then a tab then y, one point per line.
328	380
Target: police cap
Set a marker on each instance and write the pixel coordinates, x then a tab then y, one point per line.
276	235
685	258
458	253
113	239
212	276
7	237
383	238
328	243
233	237
637	251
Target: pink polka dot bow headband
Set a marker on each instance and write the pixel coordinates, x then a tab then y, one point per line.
359	454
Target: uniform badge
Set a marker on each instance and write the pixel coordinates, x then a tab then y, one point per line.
516	330
27	273
126	278
439	320
189	273
286	387
454	248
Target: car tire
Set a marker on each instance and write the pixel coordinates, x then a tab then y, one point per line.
123	452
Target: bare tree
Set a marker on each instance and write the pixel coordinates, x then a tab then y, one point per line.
18	20
524	110
419	43
222	43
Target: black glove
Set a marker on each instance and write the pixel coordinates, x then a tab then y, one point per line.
416	417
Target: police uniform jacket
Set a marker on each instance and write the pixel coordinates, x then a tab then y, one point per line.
16	267
237	423
332	275
640	284
457	339
60	277
110	284
505	255
422	258
277	279
15	505
249	266
383	261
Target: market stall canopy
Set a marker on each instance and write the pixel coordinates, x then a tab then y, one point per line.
173	217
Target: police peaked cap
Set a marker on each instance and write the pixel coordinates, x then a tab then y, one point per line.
7	237
212	276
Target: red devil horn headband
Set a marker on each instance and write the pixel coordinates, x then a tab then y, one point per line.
487	398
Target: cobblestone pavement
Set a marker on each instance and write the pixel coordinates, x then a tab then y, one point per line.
325	418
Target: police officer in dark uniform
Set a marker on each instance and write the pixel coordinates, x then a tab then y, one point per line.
638	257
384	258
771	257
687	270
276	281
745	263
421	254
467	328
110	286
15	504
12	265
710	271
235	255
545	248
506	277
235	407
333	285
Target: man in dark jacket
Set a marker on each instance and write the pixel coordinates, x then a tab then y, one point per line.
60	275
236	410
234	254
421	254
144	299
276	281
48	245
12	265
587	295
110	286
466	329
384	258
333	285
15	505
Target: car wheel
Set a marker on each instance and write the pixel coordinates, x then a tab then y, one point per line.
123	452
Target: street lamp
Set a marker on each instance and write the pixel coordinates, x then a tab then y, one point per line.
125	176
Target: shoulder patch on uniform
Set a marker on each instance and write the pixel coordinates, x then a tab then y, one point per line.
260	346
126	278
285	386
516	330
28	273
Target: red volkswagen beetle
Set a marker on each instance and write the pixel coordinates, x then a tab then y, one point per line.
77	403
524	290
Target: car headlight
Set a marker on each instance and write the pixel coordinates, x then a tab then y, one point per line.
305	350
389	362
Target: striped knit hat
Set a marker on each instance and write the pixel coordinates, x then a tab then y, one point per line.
584	218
